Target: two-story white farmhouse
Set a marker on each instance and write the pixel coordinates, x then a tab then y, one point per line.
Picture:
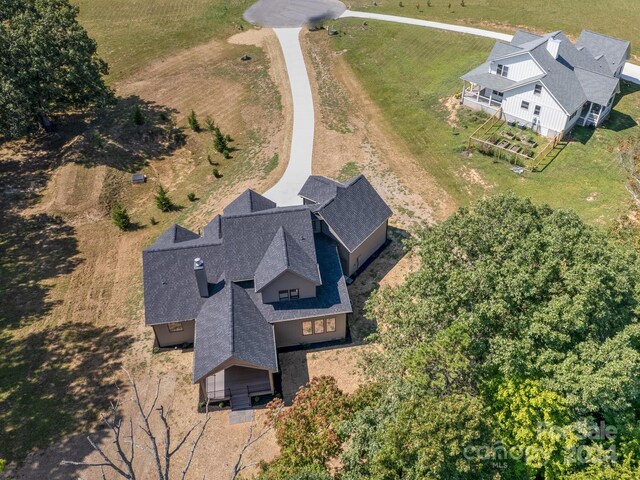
546	82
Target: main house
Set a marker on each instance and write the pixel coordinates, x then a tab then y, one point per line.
547	83
258	278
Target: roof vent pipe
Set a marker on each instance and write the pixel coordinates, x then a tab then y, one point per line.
553	45
201	277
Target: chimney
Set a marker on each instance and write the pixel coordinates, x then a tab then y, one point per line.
201	277
553	45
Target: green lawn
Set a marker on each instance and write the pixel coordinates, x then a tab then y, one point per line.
131	33
620	18
408	71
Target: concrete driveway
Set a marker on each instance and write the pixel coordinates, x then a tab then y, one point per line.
292	13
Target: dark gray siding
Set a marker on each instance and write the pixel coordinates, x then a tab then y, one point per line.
170	339
360	255
289	333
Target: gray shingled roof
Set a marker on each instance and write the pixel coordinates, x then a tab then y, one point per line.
285	255
354	212
230	327
332	297
319	189
170	288
248	202
247	237
581	72
615	50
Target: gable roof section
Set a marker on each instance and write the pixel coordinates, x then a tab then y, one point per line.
614	50
247	238
170	288
230	327
174	234
248	202
355	212
284	254
319	189
522	36
332	297
597	88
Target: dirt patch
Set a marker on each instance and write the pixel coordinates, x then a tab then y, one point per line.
451	105
473	177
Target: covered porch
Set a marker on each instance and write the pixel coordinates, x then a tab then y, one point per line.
593	114
237	381
479	97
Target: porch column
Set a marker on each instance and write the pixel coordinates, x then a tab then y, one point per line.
490	97
584	122
478	95
271	382
464	87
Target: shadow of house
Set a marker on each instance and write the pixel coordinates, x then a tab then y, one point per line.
368	281
56	379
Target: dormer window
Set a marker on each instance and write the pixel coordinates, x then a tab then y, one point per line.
537	89
502	70
292	294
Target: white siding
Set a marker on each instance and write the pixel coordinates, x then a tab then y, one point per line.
552	118
521	67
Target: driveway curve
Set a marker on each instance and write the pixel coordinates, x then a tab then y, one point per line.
285	192
293	13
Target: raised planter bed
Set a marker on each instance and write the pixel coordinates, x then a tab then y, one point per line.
504	144
507	134
515	148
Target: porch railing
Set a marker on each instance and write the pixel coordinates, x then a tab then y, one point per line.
474	96
228	392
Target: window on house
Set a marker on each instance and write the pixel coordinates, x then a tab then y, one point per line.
331	324
495	92
294	293
307	328
536	110
318	326
537	89
502	70
283	295
525	105
175	327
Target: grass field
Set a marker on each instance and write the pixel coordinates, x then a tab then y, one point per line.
414	70
131	33
620	18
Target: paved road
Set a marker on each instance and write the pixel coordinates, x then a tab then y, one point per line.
292	13
630	72
285	192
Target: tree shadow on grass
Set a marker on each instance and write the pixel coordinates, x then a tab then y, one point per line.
55	381
109	136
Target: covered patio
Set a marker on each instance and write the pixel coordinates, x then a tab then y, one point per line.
237	380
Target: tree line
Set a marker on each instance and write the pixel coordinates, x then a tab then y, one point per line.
513	352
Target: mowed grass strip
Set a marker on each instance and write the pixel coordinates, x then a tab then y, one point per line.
620	18
410	71
131	33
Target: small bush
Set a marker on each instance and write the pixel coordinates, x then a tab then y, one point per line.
256	399
120	217
462	3
163	202
156	350
137	117
191	196
221	405
401	4
216	173
193	121
202	404
226	154
428	3
153	221
209	124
